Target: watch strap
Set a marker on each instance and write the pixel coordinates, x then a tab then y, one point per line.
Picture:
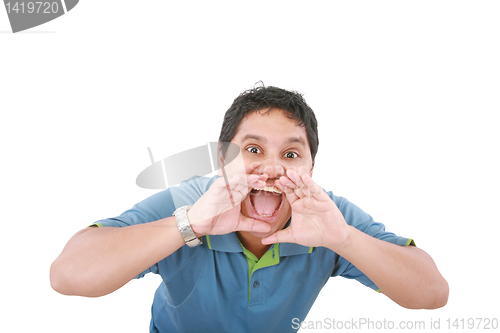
185	226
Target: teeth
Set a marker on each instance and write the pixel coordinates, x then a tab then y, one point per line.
269	189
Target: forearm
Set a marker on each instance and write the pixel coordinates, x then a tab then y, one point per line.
98	261
405	274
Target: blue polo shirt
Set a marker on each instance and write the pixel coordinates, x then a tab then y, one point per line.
220	286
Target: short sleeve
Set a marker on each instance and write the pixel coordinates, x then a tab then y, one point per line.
356	217
159	206
153	208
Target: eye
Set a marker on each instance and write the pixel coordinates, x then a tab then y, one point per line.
291	154
253	150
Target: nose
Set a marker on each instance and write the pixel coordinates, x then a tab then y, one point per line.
271	166
274	171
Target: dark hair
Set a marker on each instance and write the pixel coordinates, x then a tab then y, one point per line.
263	97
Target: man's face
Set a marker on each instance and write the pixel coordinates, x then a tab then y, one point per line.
271	143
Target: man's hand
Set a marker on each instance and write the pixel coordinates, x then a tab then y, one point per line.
218	213
406	274
316	220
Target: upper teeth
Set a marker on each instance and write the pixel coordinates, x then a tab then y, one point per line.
269	189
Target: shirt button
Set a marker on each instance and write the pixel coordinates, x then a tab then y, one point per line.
256	284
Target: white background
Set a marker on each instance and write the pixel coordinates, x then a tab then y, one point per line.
406	95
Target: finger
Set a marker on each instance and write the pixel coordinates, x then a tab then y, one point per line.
248	180
256	181
279	186
309	187
287	187
247	184
221	188
287	184
294	177
221	185
281	236
313	189
264	177
301	190
228	188
249	224
305	183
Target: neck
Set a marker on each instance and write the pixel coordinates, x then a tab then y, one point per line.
252	243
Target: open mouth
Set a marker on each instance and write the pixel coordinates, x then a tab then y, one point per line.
266	201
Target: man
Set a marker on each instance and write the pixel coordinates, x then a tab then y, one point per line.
261	241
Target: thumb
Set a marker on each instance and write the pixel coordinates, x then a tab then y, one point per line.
280	236
249	224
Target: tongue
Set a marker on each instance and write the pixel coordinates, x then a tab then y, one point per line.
266	204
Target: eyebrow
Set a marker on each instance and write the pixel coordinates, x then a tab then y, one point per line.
254	137
292	139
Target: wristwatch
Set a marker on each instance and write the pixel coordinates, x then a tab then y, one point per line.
185	227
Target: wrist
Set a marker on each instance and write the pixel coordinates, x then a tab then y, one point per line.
342	244
194	225
184	226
